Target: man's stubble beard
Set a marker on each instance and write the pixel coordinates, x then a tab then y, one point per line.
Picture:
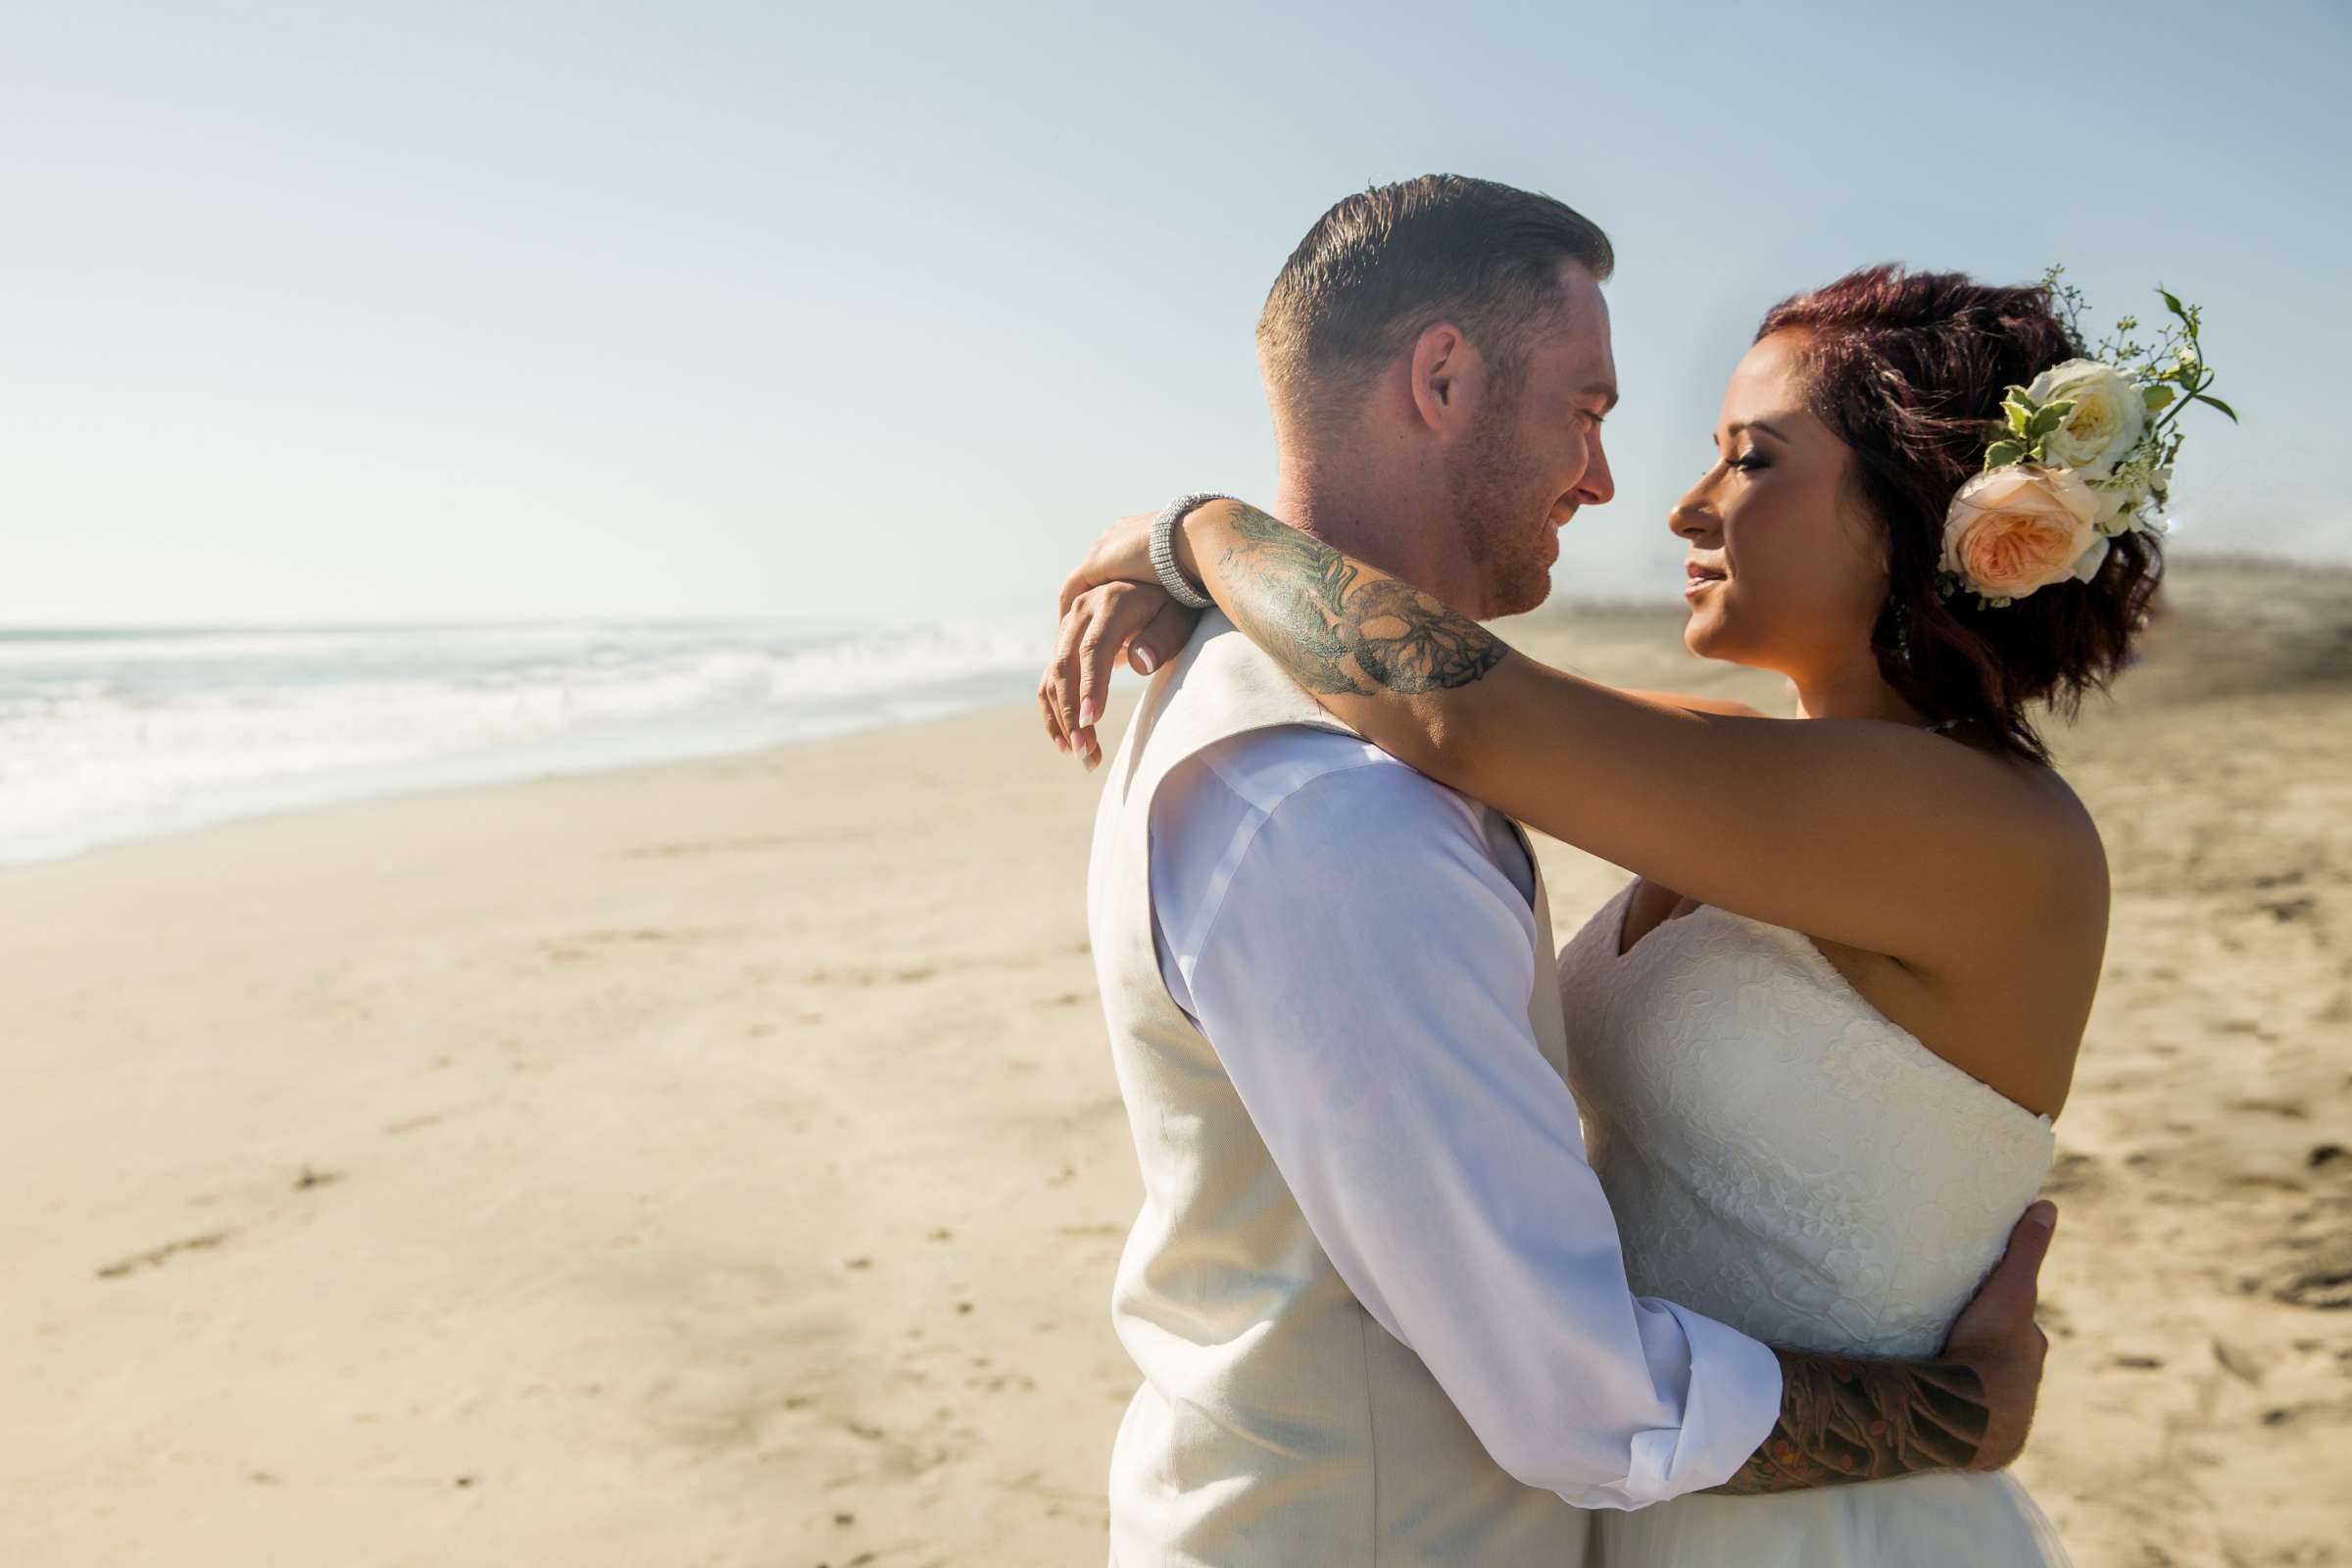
1493	492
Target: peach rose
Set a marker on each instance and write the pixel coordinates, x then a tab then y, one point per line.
2013	530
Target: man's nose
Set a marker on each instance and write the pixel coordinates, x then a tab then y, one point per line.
1599	486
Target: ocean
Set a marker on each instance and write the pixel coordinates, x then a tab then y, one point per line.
107	735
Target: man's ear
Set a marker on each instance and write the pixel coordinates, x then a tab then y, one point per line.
1448	376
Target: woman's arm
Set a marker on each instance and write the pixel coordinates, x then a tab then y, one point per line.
1723	705
1866	834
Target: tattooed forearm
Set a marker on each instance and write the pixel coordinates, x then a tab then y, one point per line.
1844	1419
1338	629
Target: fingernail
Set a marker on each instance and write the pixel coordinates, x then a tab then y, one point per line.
2044	1213
1142	657
1089	711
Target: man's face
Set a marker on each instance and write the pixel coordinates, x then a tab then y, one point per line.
1533	455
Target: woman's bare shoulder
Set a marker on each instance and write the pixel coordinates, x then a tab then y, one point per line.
2070	823
2033	825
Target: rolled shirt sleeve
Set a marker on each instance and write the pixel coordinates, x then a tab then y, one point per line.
1357	950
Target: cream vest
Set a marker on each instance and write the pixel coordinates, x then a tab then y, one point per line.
1278	1425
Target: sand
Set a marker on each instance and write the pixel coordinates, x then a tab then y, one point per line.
719	1164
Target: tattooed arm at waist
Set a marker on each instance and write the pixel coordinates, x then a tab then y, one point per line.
1846	1419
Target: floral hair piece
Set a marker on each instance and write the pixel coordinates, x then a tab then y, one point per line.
2086	456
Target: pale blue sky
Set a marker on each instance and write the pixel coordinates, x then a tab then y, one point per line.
456	311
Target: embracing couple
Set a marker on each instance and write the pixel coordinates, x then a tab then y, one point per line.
1710	1237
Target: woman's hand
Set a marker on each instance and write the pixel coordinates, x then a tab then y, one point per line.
1122	554
1112	608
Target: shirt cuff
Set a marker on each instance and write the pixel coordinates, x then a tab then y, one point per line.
1733	1404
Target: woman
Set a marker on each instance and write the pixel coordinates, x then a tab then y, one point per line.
1820	1039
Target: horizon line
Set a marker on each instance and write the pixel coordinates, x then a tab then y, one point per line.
1561	596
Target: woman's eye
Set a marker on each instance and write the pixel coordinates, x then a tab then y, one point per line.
1751	463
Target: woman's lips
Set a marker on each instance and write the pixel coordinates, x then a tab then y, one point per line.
1699	577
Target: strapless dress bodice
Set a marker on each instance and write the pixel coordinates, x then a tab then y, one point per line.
1781	1155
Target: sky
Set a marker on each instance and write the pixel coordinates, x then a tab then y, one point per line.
877	314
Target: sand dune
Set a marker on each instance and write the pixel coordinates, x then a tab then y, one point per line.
719	1164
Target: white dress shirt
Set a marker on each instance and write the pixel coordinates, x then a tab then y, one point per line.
1358	942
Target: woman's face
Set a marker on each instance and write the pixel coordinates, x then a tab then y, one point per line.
1785	570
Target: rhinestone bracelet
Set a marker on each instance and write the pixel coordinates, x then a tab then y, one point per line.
1163	549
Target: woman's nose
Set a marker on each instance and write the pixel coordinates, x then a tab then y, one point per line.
1690	517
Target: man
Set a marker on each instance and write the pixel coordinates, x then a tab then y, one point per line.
1375	1291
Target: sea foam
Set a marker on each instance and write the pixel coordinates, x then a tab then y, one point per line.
107	735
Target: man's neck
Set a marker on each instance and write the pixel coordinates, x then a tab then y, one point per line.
1350	515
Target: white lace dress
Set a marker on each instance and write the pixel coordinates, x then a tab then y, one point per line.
1783	1158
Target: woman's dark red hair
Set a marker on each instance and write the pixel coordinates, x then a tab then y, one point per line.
1908	369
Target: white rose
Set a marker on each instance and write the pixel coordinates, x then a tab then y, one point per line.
2108	416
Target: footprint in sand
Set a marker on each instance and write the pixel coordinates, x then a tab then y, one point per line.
155	1256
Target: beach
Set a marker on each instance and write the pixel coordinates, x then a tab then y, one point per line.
720	1162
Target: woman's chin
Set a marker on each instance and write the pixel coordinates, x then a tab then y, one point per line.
1702	634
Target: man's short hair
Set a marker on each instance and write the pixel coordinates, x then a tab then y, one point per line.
1383	266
